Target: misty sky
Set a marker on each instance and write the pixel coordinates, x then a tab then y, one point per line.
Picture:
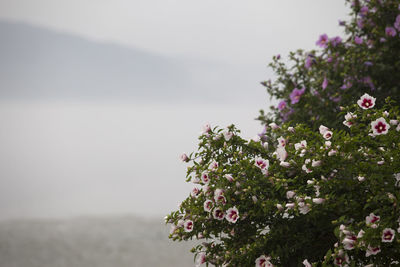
69	158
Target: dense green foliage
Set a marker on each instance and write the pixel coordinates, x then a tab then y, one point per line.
321	185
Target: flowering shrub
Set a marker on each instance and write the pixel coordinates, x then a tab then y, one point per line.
296	195
321	185
313	85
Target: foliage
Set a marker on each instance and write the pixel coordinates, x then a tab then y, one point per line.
366	60
320	185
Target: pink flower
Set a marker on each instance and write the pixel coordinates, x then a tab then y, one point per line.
358	40
366	101
336	41
390	31
229	177
372	251
324	83
205	178
184	157
282	105
261	163
323	41
371	220
296	94
188	226
232	215
380	126
208	205
388	235
397	23
218	214
263	261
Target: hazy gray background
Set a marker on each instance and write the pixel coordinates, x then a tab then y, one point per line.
99	98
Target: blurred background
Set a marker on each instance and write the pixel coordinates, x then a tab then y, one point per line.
99	98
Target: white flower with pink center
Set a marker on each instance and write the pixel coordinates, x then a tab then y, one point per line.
213	165
281	142
261	163
220	199
349	242
228	135
195	192
301	145
232	215
380	126
341	259
229	177
188	226
372	220
218	192
366	101
218	214
263	261
205	178
327	135
372	251
349	117
201	258
388	235
208	205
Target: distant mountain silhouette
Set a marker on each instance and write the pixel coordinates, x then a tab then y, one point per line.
37	63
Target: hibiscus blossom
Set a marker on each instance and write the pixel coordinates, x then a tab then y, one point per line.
263	261
372	251
263	164
371	220
218	214
188	226
380	126
232	215
205	178
208	205
296	94
323	41
388	235
366	101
